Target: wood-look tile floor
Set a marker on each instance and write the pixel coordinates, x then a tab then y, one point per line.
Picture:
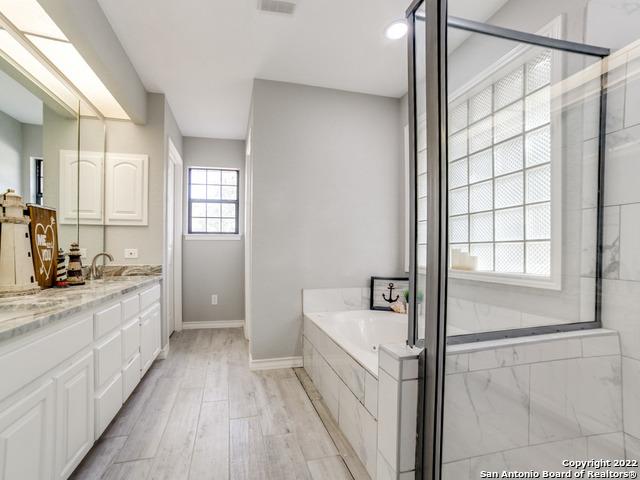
202	414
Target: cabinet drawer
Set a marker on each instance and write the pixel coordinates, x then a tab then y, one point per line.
25	364
130	307
108	358
108	402
149	296
130	339
106	320
130	377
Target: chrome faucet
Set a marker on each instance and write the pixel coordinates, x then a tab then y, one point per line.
95	274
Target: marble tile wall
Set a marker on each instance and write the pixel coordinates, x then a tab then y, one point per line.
530	403
621	289
335	299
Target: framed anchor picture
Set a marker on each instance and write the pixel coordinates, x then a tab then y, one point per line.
387	290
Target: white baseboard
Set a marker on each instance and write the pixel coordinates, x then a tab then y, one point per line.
164	353
213	324
274	363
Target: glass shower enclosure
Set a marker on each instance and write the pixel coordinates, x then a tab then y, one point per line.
508	241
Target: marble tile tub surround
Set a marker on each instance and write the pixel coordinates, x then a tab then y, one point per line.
508	401
316	300
397	411
349	402
23	314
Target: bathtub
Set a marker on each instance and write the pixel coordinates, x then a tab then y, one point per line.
360	332
341	341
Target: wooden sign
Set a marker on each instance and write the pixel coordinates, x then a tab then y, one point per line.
44	244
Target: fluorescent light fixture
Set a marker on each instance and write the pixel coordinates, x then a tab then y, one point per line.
69	61
17	55
396	30
29	16
29	27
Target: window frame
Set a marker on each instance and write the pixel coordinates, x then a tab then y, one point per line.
236	202
38	195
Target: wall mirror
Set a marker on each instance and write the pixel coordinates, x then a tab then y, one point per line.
52	151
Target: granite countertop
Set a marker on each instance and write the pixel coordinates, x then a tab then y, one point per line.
23	314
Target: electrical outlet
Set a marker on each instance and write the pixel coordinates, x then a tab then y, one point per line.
130	253
83	252
214	299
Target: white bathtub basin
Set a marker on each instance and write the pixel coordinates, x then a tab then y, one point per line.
361	332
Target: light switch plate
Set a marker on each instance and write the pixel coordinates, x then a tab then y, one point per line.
130	253
214	299
83	252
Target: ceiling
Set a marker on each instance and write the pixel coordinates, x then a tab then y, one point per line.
204	54
18	102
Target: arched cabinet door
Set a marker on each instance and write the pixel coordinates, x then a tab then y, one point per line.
85	172
26	436
126	189
74	416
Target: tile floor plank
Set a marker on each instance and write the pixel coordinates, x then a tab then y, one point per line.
248	454
201	414
173	459
313	437
216	386
99	458
330	468
145	437
136	470
211	450
285	460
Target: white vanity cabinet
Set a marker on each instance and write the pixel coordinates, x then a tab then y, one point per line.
63	383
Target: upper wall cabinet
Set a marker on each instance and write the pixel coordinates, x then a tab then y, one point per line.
114	191
82	172
127	189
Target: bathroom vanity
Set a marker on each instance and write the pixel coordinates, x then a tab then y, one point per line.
69	359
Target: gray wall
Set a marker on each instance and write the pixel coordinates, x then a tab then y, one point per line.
327	201
213	266
146	139
10	153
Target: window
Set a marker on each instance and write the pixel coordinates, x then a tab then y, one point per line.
500	171
39	181
213	201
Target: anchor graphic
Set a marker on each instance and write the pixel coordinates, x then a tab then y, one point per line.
391	287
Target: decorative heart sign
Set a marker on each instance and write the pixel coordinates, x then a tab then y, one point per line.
44	244
45	249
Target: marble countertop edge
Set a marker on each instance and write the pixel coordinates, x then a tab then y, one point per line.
15	322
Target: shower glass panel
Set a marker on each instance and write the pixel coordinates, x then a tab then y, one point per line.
522	392
523	138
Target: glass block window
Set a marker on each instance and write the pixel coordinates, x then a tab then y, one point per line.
458	176
500	172
213	200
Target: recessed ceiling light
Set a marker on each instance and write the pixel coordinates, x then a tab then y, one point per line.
396	30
